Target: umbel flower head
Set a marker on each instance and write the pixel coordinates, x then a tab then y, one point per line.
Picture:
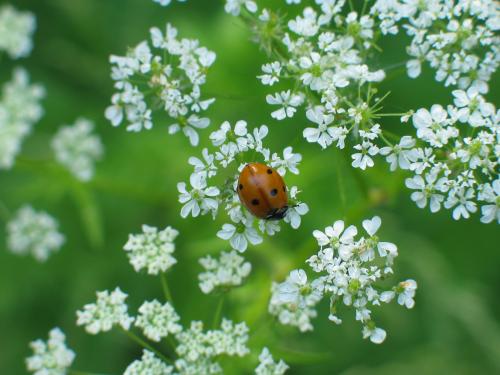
16	31
349	270
20	109
157	320
164	74
228	271
148	364
235	146
110	309
152	249
267	366
35	233
52	357
77	148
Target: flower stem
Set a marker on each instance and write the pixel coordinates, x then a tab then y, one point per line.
166	290
147	346
218	311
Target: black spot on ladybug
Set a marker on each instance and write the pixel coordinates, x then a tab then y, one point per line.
274	192
269	171
241	186
284	188
255	202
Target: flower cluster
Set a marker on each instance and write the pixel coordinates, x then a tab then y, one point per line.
157	320
148	364
455	161
16	31
267	366
77	148
228	271
35	233
110	309
152	249
20	109
198	349
458	39
349	269
240	145
164	74
52	357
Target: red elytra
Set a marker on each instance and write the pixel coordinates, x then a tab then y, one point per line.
263	192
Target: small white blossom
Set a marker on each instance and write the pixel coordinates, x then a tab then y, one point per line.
77	148
35	233
271	73
233	7
240	235
52	357
267	366
152	249
201	199
110	309
16	31
288	103
148	364
157	320
228	271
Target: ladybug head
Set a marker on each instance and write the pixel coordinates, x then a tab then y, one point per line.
277	213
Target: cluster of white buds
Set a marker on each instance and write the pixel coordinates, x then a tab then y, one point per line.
199	349
33	232
237	144
228	271
267	366
52	357
454	158
16	31
458	39
20	109
109	310
165	74
152	249
349	271
148	364
77	148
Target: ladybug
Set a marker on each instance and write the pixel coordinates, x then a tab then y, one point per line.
262	190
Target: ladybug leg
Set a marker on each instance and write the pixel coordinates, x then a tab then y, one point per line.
277	213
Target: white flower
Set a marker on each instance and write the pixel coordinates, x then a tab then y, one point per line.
20	109
294	300
400	155
323	134
152	249
148	364
35	233
295	210
376	335
199	199
240	235
226	272
289	161
405	297
430	188
110	309
267	366
189	128
461	200
77	148
287	101
434	126
52	357
490	194
16	31
157	320
271	73
363	158
233	7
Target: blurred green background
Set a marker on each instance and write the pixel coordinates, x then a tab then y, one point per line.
454	327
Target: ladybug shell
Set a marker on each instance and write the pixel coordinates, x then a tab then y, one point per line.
262	190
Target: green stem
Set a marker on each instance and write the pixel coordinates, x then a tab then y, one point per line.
166	290
145	345
218	311
340	180
390	114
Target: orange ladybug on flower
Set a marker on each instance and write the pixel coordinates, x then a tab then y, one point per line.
263	192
